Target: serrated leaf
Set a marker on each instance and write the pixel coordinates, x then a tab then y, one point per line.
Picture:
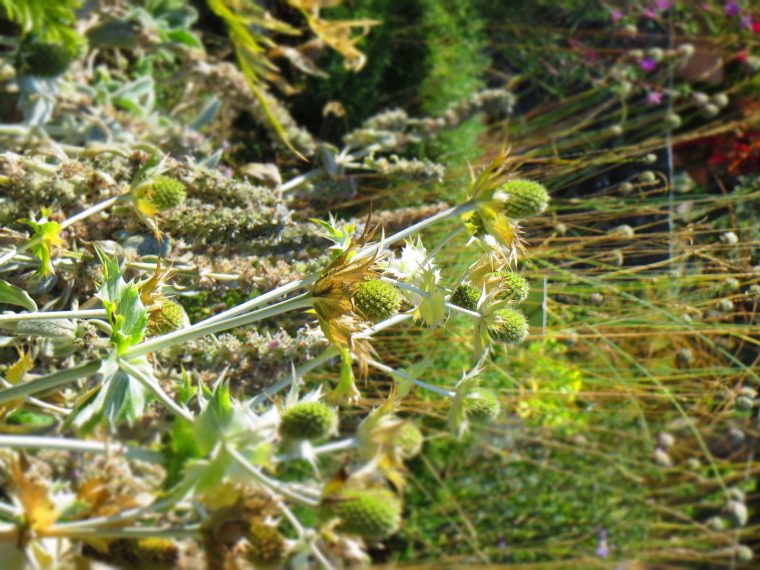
12	295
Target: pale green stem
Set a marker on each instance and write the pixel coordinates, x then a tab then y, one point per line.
193	531
404	376
158	392
49	382
271	484
203	328
50	315
38	403
78	446
9	511
99	207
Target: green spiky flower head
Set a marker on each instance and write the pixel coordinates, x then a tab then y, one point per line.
376	300
509	326
409	440
522	198
308	421
466	296
481	405
368	513
511	286
159	194
266	546
43	59
169	318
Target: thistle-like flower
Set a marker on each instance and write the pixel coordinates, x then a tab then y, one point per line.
508	326
509	286
308	421
372	513
481	405
158	194
522	198
376	300
465	296
266	546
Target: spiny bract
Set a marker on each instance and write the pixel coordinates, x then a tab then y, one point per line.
266	545
160	194
376	300
370	513
481	405
465	296
511	286
511	327
524	199
41	59
308	420
169	318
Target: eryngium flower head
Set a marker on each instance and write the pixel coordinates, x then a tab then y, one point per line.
510	327
145	551
308	420
169	318
522	198
511	286
160	194
465	296
376	300
42	59
368	513
409	440
266	545
481	405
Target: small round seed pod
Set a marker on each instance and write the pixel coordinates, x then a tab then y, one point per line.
511	327
376	300
512	286
266	546
481	405
656	54
720	100
737	513
169	318
665	440
523	198
686	50
724	305
647	177
743	553
684	357
710	110
700	99
715	524
662	458
465	296
673	120
615	130
626	187
42	59
597	298
409	440
308	420
371	513
160	194
731	284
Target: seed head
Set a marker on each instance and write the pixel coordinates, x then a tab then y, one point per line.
266	545
308	420
523	198
465	296
481	405
511	286
159	195
510	327
370	513
409	440
41	59
376	300
169	318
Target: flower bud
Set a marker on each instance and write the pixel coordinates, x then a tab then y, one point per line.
465	296
159	195
376	300
481	405
523	198
510	327
511	286
370	513
308	421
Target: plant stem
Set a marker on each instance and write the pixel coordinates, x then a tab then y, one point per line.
78	446
50	381
49	315
91	210
421	293
148	532
152	385
415	381
203	328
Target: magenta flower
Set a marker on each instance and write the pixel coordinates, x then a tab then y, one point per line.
746	22
731	8
649	14
654	98
647	64
662	5
616	15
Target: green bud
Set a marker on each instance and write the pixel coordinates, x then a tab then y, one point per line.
409	440
465	296
41	59
308	420
159	195
511	327
370	513
481	405
170	318
512	287
376	300
523	199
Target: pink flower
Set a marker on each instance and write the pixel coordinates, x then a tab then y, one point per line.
746	22
647	64
654	98
616	15
649	14
662	5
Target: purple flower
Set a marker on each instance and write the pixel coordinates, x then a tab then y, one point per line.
602	548
654	98
746	22
647	64
649	14
731	8
616	15
662	4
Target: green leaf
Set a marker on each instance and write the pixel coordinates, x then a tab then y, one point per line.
213	422
13	295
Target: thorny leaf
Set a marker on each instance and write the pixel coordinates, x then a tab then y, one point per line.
45	238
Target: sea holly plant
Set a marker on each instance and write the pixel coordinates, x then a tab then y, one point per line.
226	448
